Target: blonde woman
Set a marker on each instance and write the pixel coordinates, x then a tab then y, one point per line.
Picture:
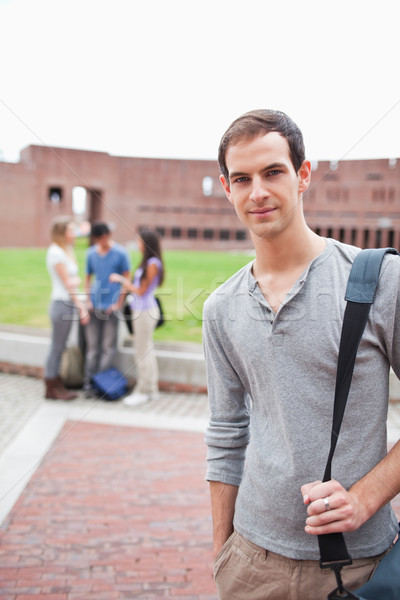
64	302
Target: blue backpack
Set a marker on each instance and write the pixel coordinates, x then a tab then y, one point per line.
110	384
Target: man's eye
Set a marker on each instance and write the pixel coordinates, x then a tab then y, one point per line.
274	172
240	179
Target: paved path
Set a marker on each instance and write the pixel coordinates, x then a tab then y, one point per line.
101	501
112	512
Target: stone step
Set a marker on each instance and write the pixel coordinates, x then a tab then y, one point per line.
181	365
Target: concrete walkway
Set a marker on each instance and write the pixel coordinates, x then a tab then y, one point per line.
101	501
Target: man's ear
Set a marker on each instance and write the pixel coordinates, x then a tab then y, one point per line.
225	185
304	176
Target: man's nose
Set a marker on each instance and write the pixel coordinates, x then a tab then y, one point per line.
259	191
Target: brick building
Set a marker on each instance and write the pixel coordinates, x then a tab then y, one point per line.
354	201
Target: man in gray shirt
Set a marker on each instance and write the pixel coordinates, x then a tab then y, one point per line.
271	339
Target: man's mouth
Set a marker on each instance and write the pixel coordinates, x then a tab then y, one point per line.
262	211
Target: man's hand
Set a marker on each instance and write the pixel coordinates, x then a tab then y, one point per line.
116	278
84	315
89	305
331	508
113	308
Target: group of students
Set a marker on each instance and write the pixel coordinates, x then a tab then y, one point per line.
107	285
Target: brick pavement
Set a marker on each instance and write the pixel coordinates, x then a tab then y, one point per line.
112	512
116	509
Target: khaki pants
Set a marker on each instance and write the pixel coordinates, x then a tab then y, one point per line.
244	571
146	361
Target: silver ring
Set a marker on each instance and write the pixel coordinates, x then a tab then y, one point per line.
326	502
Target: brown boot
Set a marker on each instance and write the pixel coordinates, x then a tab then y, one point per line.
63	389
53	392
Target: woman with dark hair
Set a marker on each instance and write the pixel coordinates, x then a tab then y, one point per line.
64	302
145	311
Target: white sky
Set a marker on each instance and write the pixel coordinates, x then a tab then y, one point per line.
164	78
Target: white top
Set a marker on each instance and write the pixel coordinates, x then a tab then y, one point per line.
55	256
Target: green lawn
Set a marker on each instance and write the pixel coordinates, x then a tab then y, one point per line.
190	278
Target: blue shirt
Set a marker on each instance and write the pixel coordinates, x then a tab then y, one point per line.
103	293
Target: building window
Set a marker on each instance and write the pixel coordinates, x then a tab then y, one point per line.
224	234
79	200
378	194
240	234
192	233
55	195
374	176
207	186
176	232
333	194
161	231
208	234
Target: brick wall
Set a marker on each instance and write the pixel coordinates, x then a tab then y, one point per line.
355	201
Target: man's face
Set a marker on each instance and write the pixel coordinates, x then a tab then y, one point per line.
263	185
103	241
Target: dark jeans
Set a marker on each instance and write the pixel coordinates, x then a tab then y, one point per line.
101	343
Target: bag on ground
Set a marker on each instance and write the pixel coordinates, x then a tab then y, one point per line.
110	384
71	367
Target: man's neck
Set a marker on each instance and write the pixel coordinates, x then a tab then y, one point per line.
104	248
281	261
275	256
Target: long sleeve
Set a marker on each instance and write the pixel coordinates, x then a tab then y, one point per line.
227	435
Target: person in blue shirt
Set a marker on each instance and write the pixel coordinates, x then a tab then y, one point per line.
104	300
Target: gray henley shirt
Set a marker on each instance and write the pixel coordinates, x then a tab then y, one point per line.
271	381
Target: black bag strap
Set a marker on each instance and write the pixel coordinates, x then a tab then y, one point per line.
360	293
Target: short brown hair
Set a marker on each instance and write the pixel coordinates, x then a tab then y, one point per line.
258	122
